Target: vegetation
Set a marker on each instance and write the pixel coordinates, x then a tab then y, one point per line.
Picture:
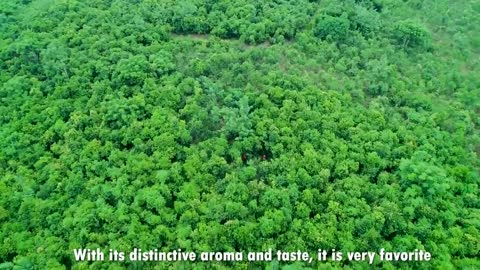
239	125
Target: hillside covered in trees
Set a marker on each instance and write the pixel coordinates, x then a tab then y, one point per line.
239	125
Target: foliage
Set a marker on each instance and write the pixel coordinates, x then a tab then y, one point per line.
332	28
410	34
239	125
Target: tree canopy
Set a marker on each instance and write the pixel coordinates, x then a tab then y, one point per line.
239	125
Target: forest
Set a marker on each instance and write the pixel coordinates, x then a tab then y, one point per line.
237	126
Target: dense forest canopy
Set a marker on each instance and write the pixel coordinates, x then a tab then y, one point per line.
239	125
